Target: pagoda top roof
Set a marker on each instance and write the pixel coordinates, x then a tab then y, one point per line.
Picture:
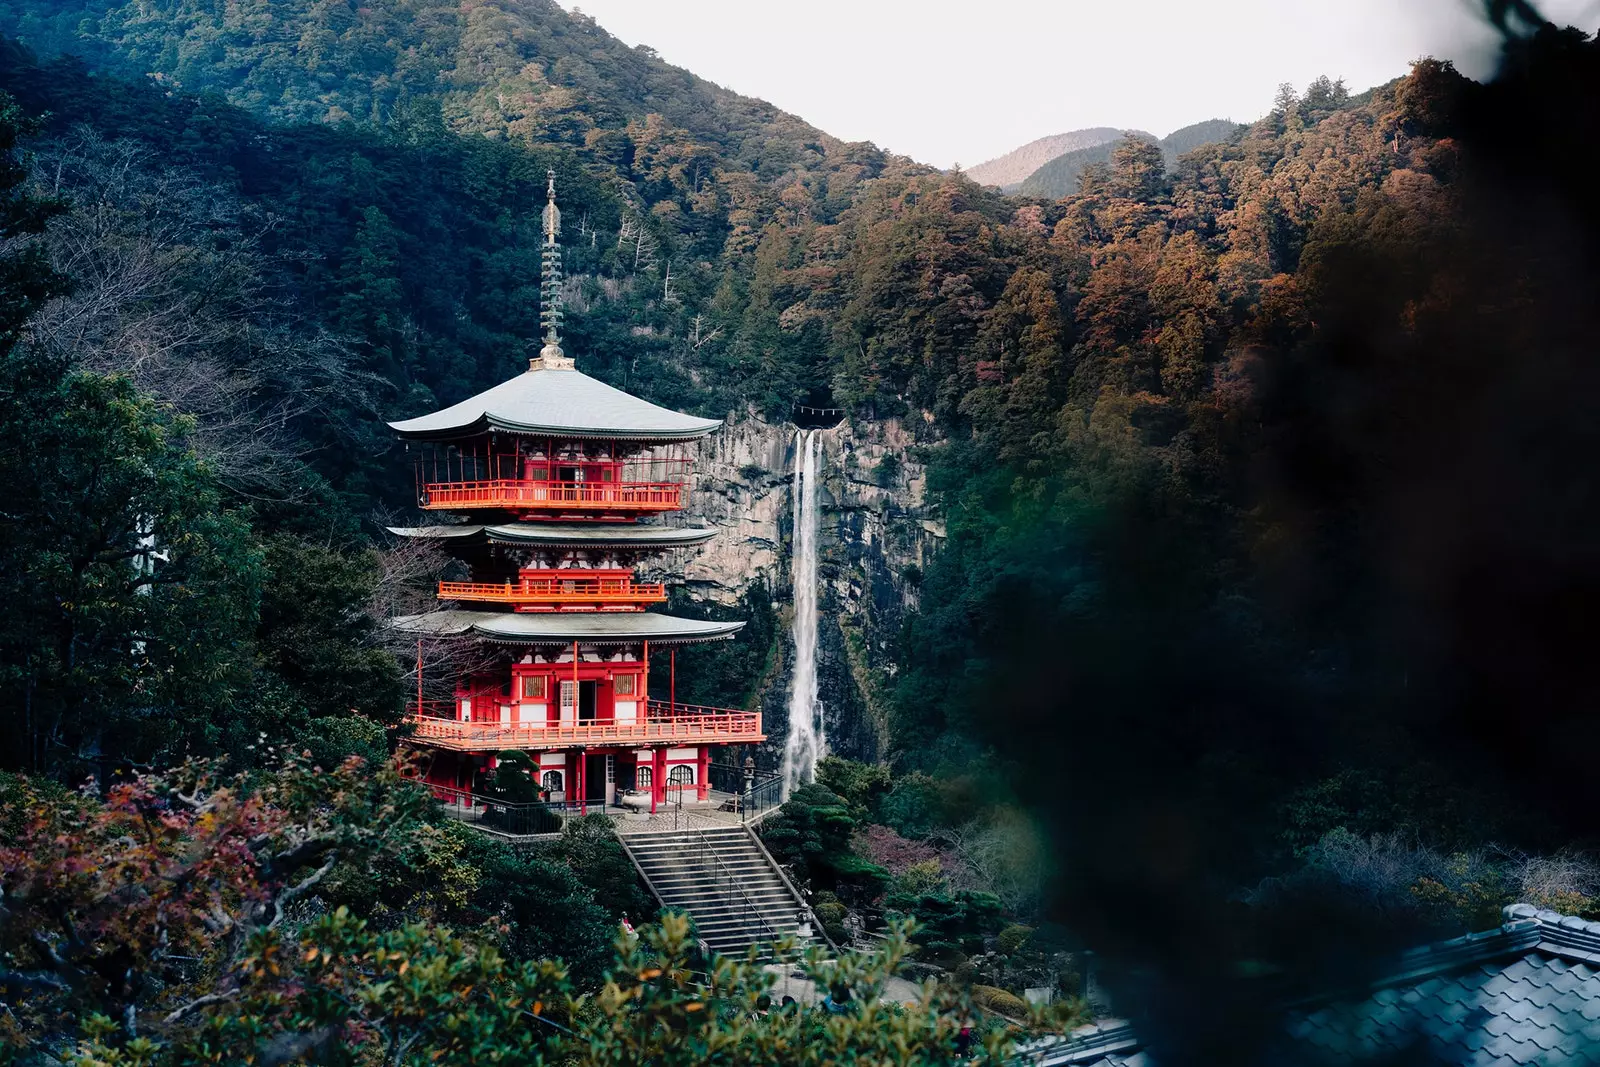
565	534
591	627
552	398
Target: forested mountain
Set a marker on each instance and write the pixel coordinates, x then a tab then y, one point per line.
523	69
1059	176
1179	141
1009	170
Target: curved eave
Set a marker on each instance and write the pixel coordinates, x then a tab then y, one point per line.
557	402
595	628
576	433
560	535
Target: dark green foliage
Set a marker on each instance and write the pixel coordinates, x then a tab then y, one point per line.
515	779
948	923
100	640
551	905
589	847
861	785
811	834
316	635
727	674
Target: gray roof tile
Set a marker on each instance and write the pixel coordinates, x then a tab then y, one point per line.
1518	971
1497	985
1521	1001
1520	1010
562	402
1545	1037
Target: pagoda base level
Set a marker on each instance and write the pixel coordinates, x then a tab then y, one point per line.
577	778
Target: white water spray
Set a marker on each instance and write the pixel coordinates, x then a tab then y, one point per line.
807	741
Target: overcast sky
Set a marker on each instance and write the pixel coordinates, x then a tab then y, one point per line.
948	82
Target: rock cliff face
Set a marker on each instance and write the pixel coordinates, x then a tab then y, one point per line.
875	532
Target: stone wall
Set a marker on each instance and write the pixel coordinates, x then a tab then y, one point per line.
876	535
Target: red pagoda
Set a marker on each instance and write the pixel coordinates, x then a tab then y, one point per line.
552	479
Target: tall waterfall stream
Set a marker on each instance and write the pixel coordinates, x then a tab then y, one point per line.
807	741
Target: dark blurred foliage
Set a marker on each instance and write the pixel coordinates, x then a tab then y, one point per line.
1390	562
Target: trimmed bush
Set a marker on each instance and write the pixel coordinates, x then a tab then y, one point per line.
993	998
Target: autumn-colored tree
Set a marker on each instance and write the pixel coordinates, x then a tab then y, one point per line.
115	907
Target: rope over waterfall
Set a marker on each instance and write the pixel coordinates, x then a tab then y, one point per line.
807	741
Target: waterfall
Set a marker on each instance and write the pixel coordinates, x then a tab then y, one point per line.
807	741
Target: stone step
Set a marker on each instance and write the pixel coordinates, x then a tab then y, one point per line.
723	881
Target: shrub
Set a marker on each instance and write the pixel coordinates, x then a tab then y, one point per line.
997	1000
812	833
1013	938
861	785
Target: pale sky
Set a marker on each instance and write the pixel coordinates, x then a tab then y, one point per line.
946	82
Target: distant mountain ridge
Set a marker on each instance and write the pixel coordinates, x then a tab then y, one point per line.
1014	167
1059	176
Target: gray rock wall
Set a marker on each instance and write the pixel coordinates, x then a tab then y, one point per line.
876	535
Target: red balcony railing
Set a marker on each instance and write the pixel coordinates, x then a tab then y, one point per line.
676	723
515	493
579	594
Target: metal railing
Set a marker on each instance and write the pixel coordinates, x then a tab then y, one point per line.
719	726
625	593
754	797
750	909
516	492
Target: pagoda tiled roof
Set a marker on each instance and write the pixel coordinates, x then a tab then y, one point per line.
564	534
593	627
561	402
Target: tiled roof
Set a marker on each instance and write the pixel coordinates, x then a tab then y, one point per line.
561	402
602	627
1525	995
563	535
1530	994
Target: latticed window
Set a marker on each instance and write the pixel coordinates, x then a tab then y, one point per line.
533	686
643	777
682	774
551	781
625	684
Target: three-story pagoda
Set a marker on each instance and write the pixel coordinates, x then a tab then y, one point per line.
553	478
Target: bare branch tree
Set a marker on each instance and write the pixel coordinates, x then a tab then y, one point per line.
172	290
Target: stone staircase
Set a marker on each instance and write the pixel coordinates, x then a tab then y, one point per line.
724	879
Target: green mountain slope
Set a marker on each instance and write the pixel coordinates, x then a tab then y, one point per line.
1059	177
518	68
1010	169
1211	131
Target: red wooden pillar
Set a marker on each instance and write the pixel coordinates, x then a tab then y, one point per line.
580	771
660	774
672	684
704	770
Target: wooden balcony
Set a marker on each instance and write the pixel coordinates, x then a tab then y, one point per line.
592	593
514	493
676	724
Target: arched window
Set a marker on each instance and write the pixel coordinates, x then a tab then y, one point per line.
551	781
642	777
682	774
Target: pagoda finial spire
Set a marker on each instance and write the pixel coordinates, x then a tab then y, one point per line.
551	356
